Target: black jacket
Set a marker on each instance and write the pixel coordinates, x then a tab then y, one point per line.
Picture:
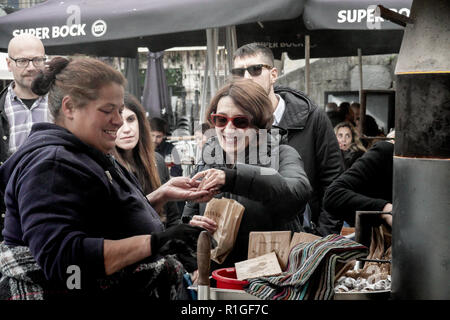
4	128
350	156
4	148
310	133
273	202
64	197
366	186
165	148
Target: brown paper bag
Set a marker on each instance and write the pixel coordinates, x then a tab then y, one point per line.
227	213
261	243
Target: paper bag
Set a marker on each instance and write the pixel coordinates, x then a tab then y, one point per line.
227	213
261	243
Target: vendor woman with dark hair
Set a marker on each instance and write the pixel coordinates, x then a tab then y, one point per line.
70	206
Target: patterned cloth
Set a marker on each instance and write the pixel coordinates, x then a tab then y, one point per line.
21	118
311	270
21	276
23	279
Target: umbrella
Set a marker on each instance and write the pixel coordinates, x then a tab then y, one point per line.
78	26
117	28
132	75
351	14
155	98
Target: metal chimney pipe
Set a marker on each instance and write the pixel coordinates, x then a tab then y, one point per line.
421	190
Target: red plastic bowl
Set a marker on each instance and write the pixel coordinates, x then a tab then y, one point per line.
226	279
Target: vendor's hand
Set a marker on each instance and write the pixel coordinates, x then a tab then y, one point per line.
204	222
182	188
211	179
387	217
186	233
387	207
194	276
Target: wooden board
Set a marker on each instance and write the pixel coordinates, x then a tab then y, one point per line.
299	237
262	266
261	243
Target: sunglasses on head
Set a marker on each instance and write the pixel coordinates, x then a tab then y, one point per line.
240	122
254	70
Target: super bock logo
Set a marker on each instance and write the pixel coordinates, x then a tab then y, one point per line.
72	28
98	28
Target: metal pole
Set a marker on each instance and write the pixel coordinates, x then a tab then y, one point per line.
421	187
360	73
362	103
204	93
231	45
307	66
211	52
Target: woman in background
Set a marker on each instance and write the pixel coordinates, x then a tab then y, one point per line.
349	143
135	151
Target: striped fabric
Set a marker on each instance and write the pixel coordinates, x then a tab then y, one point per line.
310	272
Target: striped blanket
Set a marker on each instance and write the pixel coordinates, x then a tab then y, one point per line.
310	272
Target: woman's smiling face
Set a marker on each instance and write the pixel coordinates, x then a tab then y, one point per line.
98	121
231	139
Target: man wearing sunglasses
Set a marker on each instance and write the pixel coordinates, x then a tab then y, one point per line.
19	106
308	128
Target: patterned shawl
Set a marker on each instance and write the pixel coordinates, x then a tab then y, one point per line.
310	272
23	279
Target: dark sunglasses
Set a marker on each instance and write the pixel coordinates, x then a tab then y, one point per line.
240	122
254	70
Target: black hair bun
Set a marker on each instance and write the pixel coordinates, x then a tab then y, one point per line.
45	79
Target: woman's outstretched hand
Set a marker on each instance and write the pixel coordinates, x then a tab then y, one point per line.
183	188
211	179
177	189
204	222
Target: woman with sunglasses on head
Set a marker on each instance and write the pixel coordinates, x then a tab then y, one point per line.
273	199
77	222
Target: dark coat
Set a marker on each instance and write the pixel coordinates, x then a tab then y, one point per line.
4	148
350	156
4	128
272	202
64	197
311	134
165	148
366	186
